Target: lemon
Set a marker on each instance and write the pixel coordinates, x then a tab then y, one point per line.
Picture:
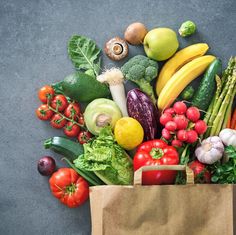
128	133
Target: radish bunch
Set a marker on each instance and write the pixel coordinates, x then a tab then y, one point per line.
182	124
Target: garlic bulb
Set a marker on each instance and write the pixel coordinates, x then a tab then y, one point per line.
210	151
228	137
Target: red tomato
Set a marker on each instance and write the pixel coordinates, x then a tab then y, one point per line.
59	102
71	129
201	174
69	187
84	137
72	111
156	152
81	120
45	93
43	112
58	121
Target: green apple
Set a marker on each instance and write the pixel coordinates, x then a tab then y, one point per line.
160	43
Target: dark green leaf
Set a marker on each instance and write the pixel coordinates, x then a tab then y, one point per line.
84	54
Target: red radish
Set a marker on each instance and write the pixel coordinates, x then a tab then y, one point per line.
192	136
181	122
166	134
180	107
182	135
200	127
176	143
170	111
171	126
165	117
193	114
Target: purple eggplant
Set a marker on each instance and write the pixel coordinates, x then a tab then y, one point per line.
141	108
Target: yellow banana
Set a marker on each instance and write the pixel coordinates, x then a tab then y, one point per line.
181	79
177	61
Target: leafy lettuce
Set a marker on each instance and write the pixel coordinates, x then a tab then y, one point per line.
107	159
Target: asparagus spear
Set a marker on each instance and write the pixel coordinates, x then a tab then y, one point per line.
218	89
212	104
216	108
217	101
229	70
217	123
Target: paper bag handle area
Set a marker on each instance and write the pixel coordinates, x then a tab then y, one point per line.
189	172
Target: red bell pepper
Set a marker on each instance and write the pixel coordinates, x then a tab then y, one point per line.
156	152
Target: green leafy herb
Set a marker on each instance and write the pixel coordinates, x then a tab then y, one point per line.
84	54
226	173
184	159
107	159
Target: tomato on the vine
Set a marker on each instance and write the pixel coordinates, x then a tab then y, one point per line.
71	129
46	93
59	102
43	112
81	120
69	187
72	110
58	121
84	137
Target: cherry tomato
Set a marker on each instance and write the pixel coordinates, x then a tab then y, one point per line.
72	111
71	129
84	137
69	187
58	121
201	174
81	120
45	93
59	102
43	112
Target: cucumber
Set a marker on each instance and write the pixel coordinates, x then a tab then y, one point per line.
82	87
64	146
72	150
205	92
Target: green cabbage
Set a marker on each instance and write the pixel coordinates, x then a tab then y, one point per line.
107	159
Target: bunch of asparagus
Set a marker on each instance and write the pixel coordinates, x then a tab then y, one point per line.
220	108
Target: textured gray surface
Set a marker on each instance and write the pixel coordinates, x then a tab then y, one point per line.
33	38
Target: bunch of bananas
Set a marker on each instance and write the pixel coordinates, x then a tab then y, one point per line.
186	65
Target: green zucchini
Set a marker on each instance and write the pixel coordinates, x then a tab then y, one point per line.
205	92
64	146
71	150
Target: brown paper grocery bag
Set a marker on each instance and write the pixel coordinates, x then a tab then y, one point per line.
191	209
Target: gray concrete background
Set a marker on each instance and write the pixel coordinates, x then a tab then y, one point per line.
33	39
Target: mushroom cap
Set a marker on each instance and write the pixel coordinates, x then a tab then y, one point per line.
116	48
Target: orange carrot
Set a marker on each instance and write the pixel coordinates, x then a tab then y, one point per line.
228	122
233	120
